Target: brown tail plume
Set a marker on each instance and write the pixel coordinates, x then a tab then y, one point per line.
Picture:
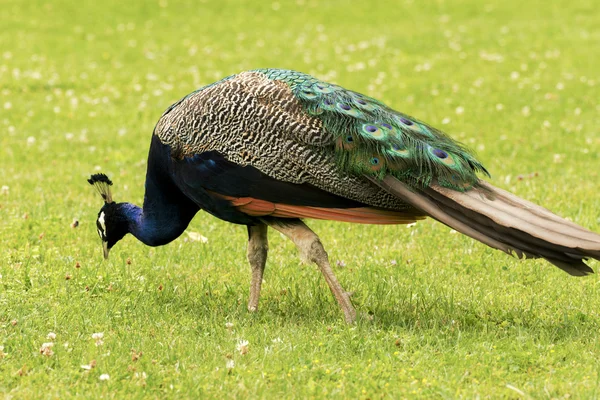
505	222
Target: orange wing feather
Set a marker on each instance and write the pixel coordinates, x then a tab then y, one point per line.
360	215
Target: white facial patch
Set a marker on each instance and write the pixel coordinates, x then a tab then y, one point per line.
101	226
101	222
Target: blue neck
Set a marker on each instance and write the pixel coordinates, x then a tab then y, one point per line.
164	217
167	211
156	225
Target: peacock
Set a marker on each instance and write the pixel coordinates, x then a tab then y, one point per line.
271	147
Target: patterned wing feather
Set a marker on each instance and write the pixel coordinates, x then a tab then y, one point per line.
298	129
371	138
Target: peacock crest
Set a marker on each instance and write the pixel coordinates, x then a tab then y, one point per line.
371	138
102	184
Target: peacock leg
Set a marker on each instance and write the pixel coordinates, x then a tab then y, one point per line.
311	249
258	246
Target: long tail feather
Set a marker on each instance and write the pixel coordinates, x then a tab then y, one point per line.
505	222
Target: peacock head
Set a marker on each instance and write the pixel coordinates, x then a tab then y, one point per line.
111	223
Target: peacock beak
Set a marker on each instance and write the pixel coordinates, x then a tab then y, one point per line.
105	248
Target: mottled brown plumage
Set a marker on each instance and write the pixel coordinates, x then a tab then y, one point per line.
253	120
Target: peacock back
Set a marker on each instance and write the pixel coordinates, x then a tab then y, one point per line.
294	127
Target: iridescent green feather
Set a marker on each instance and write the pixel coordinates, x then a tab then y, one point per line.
373	139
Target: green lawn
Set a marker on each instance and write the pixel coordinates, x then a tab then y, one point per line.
440	316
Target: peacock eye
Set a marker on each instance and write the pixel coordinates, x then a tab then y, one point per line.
439	153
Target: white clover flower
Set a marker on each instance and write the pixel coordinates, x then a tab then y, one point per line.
230	364
98	338
104	377
242	346
141	375
228	325
51	335
46	349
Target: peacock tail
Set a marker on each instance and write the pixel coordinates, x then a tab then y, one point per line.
373	139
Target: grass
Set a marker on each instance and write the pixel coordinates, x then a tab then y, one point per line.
82	85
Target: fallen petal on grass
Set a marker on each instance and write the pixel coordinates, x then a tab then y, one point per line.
196	237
